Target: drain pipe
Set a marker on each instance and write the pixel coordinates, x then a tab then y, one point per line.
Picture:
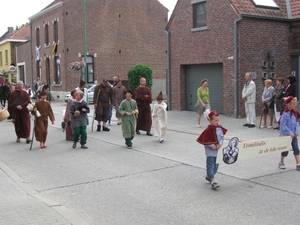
236	65
168	71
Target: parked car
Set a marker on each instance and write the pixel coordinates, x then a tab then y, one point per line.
67	97
91	93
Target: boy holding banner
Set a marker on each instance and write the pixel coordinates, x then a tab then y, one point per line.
289	127
212	138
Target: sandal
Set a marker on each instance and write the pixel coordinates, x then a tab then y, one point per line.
18	140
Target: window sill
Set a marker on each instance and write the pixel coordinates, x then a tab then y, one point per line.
196	29
56	85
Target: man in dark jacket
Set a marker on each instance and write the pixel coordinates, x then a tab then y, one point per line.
103	97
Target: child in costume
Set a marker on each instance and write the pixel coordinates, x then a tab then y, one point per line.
43	108
160	118
289	127
79	118
129	112
212	138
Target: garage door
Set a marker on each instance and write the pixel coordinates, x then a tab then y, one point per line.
194	75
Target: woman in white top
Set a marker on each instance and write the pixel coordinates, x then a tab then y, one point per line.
82	87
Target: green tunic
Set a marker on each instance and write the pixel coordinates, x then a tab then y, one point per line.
128	122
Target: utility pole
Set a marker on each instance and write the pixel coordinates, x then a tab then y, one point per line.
84	38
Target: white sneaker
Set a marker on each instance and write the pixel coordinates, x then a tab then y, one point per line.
160	140
263	126
270	127
281	165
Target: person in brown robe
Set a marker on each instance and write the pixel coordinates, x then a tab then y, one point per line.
67	118
104	101
143	97
18	101
41	122
118	96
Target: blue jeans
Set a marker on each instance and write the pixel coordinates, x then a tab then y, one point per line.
211	166
294	147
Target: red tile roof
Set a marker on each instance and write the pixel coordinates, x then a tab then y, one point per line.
295	5
247	7
23	33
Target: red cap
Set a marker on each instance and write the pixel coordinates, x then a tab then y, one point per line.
211	114
288	99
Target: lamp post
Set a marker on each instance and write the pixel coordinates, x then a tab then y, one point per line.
84	38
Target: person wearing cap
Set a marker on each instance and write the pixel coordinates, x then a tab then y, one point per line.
289	126
82	87
118	95
249	97
18	101
129	112
143	97
212	138
104	94
160	118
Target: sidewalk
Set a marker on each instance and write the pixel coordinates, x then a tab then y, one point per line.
21	204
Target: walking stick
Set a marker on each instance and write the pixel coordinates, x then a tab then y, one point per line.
262	113
94	115
32	133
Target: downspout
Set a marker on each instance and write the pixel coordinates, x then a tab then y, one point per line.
236	65
289	10
168	71
31	56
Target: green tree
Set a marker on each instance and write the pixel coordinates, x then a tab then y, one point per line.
137	72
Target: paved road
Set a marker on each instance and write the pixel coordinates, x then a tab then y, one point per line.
150	184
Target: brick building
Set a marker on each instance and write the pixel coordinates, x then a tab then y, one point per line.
222	40
119	34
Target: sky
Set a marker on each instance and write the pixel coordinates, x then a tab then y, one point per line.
16	12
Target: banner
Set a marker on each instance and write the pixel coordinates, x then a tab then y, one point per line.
246	149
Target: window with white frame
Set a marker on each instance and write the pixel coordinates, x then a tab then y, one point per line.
90	69
199	13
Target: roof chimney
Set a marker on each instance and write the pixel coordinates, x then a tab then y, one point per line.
10	29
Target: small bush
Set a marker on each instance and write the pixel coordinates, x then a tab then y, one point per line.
137	72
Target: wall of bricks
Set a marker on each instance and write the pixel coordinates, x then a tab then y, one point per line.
215	45
120	34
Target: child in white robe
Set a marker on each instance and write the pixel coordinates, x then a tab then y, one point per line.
160	118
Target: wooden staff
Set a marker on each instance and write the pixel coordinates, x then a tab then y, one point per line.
96	108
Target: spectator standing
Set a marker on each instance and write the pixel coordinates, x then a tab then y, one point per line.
290	88
249	97
203	100
278	93
267	99
143	97
82	87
